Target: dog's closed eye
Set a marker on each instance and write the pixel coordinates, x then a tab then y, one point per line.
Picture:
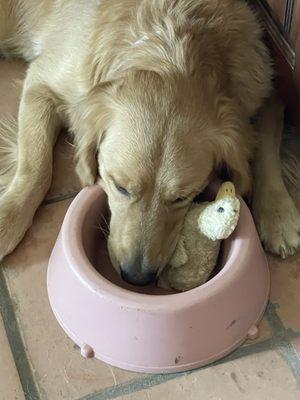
122	190
180	200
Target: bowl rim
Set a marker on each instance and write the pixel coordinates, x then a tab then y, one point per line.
97	283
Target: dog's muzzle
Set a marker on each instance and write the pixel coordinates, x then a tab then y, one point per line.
138	273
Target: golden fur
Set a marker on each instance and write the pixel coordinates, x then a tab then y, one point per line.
158	93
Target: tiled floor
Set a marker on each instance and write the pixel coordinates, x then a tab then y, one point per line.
38	361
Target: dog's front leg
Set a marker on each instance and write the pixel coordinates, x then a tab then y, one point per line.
38	125
276	216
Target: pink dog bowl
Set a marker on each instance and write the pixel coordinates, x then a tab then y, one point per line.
150	331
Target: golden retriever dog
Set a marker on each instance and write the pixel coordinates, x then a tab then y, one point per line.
159	94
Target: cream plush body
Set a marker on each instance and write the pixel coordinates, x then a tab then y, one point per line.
196	254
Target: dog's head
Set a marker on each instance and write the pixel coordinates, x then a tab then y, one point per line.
157	142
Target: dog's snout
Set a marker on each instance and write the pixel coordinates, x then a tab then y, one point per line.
137	275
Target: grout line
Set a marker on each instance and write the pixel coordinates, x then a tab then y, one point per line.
59	197
132	386
283	337
274	320
291	357
30	389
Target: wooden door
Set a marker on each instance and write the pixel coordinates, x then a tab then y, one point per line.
278	9
281	19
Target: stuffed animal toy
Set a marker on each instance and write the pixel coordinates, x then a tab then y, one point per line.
196	254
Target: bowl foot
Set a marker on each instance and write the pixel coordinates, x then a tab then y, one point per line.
253	332
87	351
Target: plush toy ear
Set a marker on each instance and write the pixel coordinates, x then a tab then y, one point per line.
227	189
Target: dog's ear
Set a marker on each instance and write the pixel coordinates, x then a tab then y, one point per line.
86	158
89	121
236	156
232	144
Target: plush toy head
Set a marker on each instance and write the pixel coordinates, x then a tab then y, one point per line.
218	220
196	254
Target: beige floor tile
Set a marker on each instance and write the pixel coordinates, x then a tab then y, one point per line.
263	376
285	289
60	371
10	386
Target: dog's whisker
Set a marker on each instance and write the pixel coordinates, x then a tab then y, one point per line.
105	233
70	143
104	229
106	222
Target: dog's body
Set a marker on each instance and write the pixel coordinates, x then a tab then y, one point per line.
162	92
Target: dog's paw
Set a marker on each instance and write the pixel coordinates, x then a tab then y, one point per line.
278	223
14	223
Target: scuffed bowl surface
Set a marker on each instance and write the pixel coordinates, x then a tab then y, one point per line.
145	329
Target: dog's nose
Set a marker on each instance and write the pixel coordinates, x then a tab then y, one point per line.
137	278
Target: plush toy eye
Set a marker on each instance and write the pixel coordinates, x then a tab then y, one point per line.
122	190
221	210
